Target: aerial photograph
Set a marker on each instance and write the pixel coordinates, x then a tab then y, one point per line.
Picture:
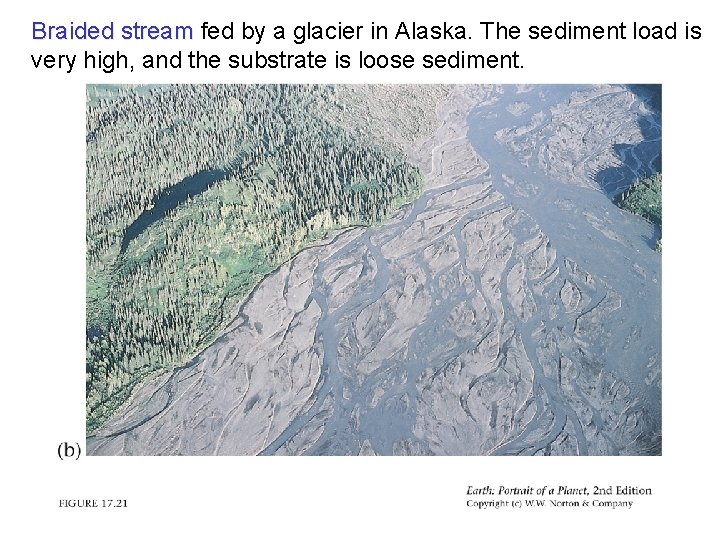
357	270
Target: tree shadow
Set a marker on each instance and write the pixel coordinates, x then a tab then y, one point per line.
169	199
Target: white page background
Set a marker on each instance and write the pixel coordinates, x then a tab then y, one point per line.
43	245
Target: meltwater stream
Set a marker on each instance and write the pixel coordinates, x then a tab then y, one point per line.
568	214
617	251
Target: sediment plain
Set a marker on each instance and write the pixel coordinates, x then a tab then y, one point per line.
512	309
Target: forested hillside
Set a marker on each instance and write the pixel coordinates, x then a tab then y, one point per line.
644	198
272	172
